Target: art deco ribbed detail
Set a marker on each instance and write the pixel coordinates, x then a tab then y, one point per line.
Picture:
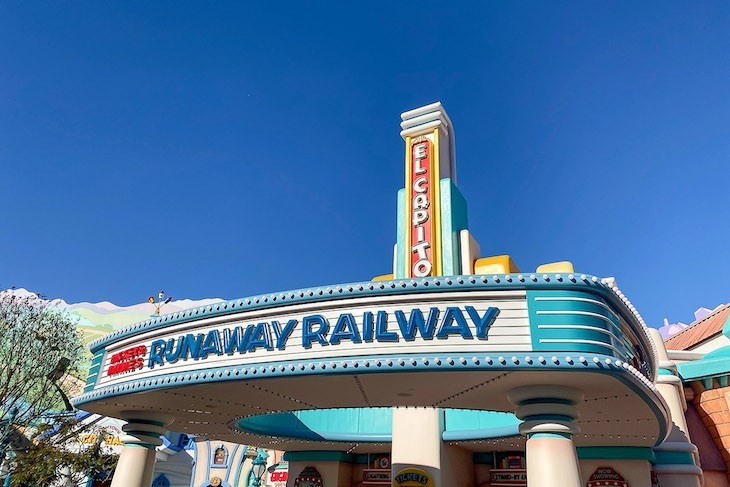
546	409
142	433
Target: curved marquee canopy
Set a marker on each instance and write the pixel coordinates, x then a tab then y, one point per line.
318	358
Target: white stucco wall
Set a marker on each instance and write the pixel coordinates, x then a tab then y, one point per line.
713	344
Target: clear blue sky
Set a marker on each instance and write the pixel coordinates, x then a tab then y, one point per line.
222	149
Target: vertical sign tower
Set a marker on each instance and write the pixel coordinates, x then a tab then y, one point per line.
422	234
431	217
431	211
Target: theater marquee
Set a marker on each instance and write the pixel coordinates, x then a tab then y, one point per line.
443	322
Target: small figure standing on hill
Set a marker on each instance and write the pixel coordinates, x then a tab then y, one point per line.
161	301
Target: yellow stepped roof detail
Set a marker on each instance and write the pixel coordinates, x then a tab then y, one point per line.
562	266
498	264
384	277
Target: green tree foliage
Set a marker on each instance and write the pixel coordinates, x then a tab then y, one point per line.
40	350
41	355
59	457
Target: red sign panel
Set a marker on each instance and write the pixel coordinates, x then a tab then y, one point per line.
421	218
279	476
127	360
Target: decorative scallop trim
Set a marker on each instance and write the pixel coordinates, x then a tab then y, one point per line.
364	365
611	284
606	288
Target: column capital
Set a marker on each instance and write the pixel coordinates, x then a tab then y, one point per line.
546	410
147	416
144	429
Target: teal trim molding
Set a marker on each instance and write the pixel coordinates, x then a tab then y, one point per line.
580	321
673	458
550	435
453	220
319	456
94	370
140	445
615	453
713	364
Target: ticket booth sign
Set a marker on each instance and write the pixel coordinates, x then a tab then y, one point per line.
412	477
606	476
376	477
508	477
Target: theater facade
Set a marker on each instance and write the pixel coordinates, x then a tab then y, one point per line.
456	369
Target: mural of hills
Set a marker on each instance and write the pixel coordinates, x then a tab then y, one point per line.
98	319
94	320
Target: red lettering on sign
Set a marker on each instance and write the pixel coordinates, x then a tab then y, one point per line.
127	360
279	476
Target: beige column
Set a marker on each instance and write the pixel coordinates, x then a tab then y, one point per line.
548	414
417	441
676	457
137	461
